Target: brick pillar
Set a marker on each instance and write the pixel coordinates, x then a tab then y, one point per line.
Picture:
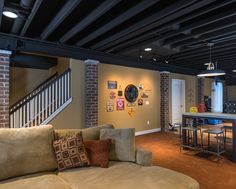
4	88
164	88
200	90
91	93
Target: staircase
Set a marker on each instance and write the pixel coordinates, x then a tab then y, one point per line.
41	105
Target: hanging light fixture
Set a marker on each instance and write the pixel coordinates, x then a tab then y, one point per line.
211	70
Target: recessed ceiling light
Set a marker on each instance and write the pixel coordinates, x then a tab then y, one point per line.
9	14
234	71
148	49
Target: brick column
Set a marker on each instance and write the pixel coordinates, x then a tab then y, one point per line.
200	90
4	88
91	93
164	89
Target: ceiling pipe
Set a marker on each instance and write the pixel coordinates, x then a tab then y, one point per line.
26	3
19	22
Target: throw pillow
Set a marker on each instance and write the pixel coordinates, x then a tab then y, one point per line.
70	152
98	152
123	143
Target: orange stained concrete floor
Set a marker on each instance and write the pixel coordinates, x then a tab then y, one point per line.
208	170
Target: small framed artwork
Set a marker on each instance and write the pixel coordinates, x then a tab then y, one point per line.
110	106
112	95
112	84
140	102
120	104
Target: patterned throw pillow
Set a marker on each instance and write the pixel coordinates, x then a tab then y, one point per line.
98	152
70	152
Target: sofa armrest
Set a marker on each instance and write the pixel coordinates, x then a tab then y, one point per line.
143	157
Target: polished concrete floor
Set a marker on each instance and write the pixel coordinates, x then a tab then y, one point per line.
210	171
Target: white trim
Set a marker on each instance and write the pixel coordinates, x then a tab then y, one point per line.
5	52
90	61
147	131
164	72
57	112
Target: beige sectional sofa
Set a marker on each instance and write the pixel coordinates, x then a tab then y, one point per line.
27	161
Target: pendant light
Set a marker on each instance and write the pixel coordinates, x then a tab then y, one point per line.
211	70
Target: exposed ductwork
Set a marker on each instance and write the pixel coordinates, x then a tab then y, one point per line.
19	22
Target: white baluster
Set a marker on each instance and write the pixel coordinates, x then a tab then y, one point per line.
35	110
59	91
53	97
50	100
46	103
43	104
21	110
39	108
28	115
56	99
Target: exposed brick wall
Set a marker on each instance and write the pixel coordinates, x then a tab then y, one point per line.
200	90
4	89
91	93
164	89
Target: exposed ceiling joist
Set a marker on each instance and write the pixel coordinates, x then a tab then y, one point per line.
167	25
207	37
204	53
138	8
201	31
205	59
1	10
95	14
31	16
142	23
60	17
16	43
204	49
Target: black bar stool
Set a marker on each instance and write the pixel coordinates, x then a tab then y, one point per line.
220	144
188	138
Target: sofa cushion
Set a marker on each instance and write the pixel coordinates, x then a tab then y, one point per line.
70	152
123	143
35	181
98	152
127	175
91	133
26	150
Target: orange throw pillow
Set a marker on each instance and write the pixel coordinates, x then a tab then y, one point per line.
70	152
98	152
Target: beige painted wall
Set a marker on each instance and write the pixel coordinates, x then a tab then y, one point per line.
73	115
24	80
207	86
190	91
124	76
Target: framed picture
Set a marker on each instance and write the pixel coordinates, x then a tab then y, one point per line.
131	93
140	102
120	104
112	84
110	106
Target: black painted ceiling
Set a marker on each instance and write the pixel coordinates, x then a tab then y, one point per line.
177	30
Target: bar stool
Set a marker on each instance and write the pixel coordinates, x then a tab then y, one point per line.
188	137
220	145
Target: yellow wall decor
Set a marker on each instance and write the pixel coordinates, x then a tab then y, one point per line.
131	112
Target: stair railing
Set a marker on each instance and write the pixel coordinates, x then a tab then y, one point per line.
42	104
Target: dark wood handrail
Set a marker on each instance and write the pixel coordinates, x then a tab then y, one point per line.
46	85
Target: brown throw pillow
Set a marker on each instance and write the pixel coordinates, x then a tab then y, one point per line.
98	152
70	152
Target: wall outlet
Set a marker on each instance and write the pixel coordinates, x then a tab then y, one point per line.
148	122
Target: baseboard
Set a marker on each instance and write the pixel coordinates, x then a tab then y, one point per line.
147	131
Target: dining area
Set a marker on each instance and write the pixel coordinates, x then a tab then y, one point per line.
198	133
